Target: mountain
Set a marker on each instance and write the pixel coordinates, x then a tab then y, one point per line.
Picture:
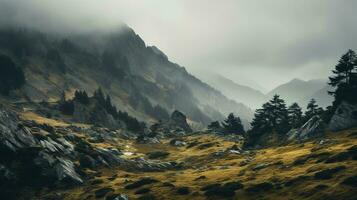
240	93
301	92
139	78
321	96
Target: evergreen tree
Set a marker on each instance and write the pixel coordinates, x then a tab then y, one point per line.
214	125
312	109
99	96
272	116
233	124
295	115
345	79
278	114
81	97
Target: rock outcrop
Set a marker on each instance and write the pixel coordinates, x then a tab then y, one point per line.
344	117
179	119
311	129
175	126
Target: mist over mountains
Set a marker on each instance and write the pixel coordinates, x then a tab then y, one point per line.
296	90
139	78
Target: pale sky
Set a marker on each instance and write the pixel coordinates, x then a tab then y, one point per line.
269	42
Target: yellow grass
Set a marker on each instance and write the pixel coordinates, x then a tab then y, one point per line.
201	162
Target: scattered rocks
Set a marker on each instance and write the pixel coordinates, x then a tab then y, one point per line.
117	197
311	129
260	166
177	143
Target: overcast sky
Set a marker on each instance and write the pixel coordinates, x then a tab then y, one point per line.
270	41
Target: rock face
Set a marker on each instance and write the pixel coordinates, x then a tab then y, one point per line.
344	117
179	119
312	128
14	136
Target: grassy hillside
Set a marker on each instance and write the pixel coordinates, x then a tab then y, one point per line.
319	169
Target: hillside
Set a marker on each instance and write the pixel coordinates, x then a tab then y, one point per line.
240	93
137	77
215	167
301	92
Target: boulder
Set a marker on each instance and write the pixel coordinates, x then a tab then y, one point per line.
65	172
344	117
179	119
313	128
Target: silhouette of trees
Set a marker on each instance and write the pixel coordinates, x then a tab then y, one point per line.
312	109
295	115
233	124
11	76
81	97
344	79
100	105
273	116
214	126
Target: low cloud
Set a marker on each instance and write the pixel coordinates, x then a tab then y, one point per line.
269	42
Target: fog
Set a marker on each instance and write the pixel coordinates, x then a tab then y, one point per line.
268	42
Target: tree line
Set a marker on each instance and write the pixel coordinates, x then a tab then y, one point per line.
99	102
275	116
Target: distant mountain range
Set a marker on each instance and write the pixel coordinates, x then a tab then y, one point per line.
240	93
295	90
301	92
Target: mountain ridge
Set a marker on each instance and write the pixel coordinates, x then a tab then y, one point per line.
137	77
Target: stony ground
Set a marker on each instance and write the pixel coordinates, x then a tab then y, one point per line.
214	167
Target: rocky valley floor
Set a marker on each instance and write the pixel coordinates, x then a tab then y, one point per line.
196	166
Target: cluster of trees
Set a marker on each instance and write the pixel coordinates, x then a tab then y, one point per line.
11	76
344	79
275	116
99	103
231	124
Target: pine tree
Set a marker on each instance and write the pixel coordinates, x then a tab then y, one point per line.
345	79
295	115
312	109
279	114
233	124
214	125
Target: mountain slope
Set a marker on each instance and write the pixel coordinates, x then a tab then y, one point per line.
240	93
301	91
137	77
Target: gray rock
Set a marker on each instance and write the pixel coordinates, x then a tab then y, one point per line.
178	143
121	197
14	136
179	119
65	171
311	129
344	117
